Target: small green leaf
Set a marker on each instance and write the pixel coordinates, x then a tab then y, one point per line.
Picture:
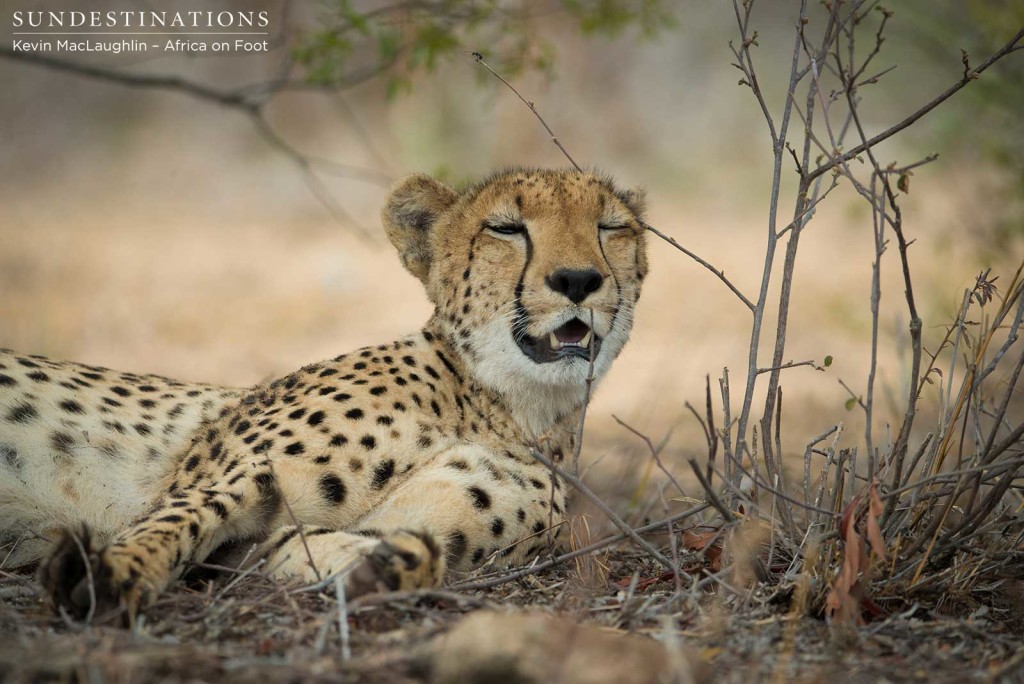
850	403
828	361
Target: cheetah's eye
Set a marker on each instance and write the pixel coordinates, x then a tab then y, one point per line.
609	227
505	228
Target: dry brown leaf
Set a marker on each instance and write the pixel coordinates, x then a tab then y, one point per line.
843	603
875	508
708	543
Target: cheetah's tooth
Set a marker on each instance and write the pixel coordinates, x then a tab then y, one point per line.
585	342
553	341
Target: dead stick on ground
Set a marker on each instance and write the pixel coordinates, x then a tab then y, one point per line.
712	496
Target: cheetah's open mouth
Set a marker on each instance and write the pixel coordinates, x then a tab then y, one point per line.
574	339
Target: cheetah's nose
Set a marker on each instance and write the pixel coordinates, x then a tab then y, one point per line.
575	284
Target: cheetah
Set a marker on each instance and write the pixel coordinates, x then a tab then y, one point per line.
384	467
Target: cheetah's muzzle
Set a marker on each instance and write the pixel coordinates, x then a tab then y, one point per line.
571	340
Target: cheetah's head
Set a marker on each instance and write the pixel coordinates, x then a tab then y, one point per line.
534	274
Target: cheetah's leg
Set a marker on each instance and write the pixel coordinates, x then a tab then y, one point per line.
473	509
180	527
458	511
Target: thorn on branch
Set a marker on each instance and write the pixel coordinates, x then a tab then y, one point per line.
796	159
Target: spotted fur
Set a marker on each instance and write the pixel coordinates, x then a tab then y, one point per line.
389	464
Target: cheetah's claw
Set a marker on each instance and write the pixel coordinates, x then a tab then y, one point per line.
402	561
85	583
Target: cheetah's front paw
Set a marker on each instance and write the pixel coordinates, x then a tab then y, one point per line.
402	561
83	581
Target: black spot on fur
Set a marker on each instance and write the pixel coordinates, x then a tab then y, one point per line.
22	413
297	413
368	442
38	376
481	499
354	414
295	448
121	391
339	440
332	488
382	473
497	527
316	418
72	406
9	456
192	463
7	381
264	482
217	507
62	442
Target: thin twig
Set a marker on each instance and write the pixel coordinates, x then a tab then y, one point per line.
939	99
480	60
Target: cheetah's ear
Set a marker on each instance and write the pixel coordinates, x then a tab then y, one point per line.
635	199
412	209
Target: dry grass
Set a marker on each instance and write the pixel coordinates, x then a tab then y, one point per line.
256	630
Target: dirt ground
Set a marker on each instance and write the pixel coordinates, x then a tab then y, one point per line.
258	631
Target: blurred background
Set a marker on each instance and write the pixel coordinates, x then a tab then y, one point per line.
148	230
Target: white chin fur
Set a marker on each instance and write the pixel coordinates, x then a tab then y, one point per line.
538	394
